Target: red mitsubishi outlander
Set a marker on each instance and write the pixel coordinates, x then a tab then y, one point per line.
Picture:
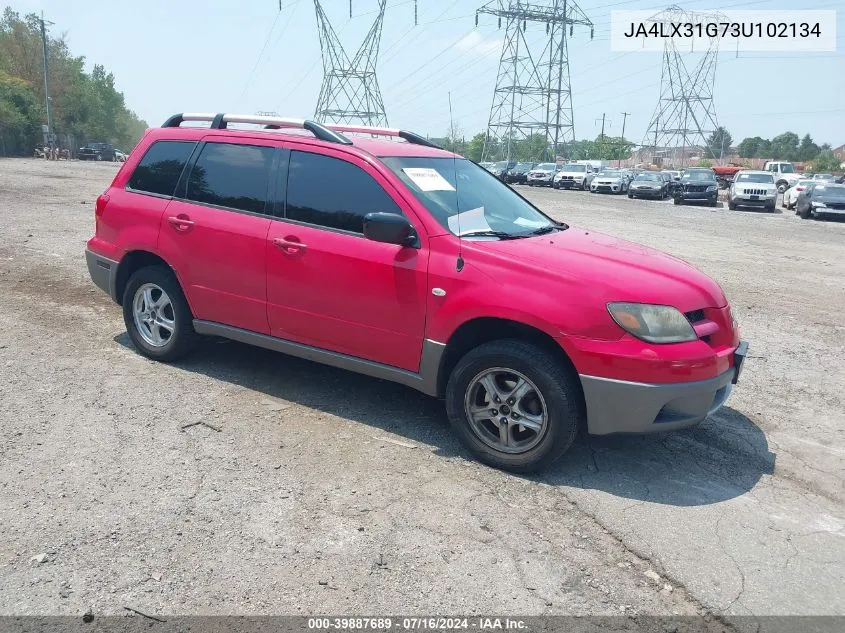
376	251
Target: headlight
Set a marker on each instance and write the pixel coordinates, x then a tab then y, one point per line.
652	323
818	205
711	188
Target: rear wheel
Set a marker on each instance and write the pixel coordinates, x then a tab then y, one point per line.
514	405
157	316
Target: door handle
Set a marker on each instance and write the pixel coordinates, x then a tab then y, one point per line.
289	245
180	223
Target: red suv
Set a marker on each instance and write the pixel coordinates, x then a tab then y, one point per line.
378	252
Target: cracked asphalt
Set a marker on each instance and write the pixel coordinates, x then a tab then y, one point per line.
243	482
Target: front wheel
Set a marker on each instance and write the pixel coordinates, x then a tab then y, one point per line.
514	405
731	205
157	316
677	201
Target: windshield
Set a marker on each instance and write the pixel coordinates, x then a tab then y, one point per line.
649	177
465	199
574	168
524	166
610	174
545	167
785	168
502	164
829	192
760	178
699	176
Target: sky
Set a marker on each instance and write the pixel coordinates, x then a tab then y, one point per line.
247	56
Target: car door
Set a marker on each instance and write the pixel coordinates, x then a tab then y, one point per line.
214	230
330	287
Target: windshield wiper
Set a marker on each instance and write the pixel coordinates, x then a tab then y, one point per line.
490	233
548	229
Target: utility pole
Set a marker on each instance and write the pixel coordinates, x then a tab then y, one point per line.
625	116
601	137
46	82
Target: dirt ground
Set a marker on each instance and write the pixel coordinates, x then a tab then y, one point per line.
313	490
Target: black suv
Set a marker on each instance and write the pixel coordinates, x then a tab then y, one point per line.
96	151
519	173
697	185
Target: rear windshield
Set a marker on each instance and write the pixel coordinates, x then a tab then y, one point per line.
760	178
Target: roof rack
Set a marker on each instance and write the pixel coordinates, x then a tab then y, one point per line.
220	121
416	139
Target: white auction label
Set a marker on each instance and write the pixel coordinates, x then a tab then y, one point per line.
428	179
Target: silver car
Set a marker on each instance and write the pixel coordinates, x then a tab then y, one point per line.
542	175
610	181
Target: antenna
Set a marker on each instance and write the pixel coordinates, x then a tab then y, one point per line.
459	264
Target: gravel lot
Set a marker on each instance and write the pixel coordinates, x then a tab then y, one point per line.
312	490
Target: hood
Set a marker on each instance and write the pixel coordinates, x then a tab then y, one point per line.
541	172
603	268
653	184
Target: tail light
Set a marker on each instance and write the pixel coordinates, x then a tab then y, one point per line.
100	206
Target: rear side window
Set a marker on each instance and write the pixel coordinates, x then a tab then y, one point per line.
330	192
160	168
233	176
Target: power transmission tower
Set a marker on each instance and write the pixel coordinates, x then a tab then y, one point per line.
685	115
350	91
533	92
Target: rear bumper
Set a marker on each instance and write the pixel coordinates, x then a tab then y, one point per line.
103	272
620	406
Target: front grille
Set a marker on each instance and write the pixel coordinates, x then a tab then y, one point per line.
754	192
695	316
695	188
835	205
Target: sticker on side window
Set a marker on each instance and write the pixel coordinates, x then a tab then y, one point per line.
428	179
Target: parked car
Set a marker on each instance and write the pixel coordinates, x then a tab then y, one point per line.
754	189
542	175
675	175
457	286
519	174
97	151
500	168
119	156
697	185
649	185
610	181
487	165
573	176
790	196
825	177
820	199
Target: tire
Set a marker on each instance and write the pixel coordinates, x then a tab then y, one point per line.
630	195
805	214
560	399
99	157
678	201
182	337
771	208
731	205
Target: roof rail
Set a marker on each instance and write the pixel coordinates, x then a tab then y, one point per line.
220	121
416	139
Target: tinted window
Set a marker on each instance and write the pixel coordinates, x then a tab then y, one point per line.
160	168
233	176
330	192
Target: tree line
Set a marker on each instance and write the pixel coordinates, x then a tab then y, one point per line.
85	107
719	146
535	148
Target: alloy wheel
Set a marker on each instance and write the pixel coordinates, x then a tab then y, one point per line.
152	312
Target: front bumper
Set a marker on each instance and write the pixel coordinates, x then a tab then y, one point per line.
540	181
762	201
647	193
620	406
569	184
697	196
605	188
103	272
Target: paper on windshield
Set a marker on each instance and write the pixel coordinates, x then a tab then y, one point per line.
531	224
428	179
472	220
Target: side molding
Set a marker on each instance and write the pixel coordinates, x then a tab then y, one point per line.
424	381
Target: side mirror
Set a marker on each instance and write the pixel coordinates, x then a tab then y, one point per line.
390	228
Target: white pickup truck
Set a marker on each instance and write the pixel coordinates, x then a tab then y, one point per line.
784	172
